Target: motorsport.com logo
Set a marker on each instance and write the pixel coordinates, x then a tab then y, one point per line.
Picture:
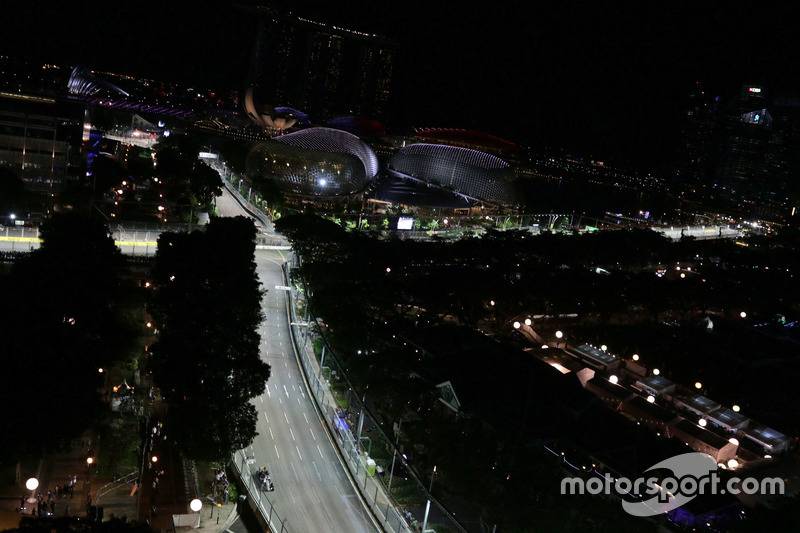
693	474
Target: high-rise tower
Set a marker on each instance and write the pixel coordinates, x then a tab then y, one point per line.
321	69
755	169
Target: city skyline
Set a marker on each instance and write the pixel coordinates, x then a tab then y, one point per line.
604	81
569	255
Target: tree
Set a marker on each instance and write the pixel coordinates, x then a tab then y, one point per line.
205	184
62	318
12	191
207	302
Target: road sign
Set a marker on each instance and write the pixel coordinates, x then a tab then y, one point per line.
283	288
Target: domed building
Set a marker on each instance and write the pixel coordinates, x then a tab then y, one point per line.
471	174
315	162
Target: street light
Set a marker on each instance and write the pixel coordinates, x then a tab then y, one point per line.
735	408
154	459
89	463
698	385
743	314
528	322
559	334
656	371
394	455
613	379
32	484
196	505
428	505
517	325
702	422
635	357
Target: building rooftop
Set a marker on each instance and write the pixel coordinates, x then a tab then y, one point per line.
594	354
656	383
767	435
701	404
617	391
559	360
650	409
728	417
472	137
703	435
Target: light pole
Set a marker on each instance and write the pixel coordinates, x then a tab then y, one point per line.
428	505
394	455
89	463
32	484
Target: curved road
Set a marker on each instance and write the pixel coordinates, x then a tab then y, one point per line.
312	490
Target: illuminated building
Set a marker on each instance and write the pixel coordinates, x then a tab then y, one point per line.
82	82
319	68
320	162
40	140
471	174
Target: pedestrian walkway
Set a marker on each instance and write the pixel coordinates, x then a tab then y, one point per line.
65	485
116	497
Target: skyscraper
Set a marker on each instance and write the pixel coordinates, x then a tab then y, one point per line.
320	69
701	142
738	153
755	170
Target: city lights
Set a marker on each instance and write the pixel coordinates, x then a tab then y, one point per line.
280	251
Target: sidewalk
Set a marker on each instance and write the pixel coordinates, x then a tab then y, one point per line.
154	503
51	471
115	498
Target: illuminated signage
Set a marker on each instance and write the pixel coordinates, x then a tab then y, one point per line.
754	89
405	223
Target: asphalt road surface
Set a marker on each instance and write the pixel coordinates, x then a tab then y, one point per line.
312	490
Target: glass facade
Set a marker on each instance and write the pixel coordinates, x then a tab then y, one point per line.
316	161
465	171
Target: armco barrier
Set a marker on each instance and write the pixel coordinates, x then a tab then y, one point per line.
370	488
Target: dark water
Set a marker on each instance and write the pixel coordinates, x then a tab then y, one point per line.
594	199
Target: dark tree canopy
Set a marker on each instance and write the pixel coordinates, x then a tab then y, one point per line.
207	305
377	294
62	318
205	183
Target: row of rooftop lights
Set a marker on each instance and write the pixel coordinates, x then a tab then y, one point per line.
650	398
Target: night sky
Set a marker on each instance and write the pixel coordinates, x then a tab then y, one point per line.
600	78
